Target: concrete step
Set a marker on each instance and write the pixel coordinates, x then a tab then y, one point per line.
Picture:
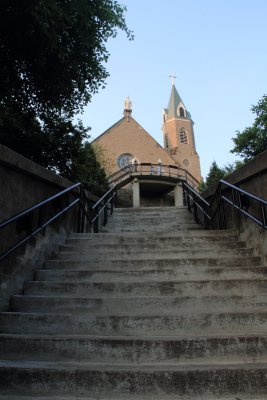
149	275
118	240
84	262
143	211
154	221
147	229
76	244
142	381
152	215
133	397
165	288
84	254
190	235
183	324
118	349
158	227
119	222
66	397
132	306
21	397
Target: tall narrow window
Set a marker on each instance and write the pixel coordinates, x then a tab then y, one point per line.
183	136
181	112
166	141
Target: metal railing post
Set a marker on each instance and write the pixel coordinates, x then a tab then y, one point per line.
263	215
80	212
96	220
112	203
105	216
40	216
195	210
188	202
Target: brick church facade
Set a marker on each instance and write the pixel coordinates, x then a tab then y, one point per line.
127	139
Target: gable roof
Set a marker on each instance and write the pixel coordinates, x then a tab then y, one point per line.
128	136
107	130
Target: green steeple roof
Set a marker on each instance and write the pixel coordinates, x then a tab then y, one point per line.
174	102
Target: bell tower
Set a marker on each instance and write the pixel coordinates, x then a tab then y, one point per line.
178	134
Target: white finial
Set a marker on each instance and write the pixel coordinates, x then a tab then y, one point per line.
172	78
127	112
127	104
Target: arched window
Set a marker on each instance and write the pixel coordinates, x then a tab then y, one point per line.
183	136
181	112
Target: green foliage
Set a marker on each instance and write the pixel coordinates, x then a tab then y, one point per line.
202	186
216	173
88	170
52	52
52	55
253	140
52	142
103	157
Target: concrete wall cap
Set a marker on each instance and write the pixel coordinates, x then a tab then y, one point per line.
16	161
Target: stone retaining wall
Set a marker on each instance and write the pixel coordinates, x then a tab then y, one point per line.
23	183
252	177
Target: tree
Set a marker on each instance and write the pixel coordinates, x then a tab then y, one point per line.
88	170
253	140
214	175
103	157
52	55
52	52
53	142
202	185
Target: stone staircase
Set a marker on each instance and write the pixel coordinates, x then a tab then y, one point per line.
153	307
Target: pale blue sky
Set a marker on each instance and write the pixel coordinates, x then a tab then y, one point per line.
217	50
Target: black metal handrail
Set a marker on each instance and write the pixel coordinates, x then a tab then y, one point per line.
89	213
27	217
212	214
142	169
104	204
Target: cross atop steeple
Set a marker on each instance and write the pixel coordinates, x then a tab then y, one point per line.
172	77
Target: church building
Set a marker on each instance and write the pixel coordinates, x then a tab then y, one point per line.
127	139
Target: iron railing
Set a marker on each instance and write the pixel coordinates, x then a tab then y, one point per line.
212	215
102	206
148	169
31	221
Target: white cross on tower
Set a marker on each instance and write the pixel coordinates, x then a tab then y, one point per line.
172	78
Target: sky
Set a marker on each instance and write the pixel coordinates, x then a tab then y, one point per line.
216	49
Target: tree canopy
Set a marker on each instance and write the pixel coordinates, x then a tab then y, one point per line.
253	140
52	52
216	173
52	56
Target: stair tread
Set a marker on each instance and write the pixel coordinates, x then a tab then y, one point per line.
139	367
145	297
162	281
164	338
191	303
177	316
134	397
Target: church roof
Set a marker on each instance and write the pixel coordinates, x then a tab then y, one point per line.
174	102
128	136
107	130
